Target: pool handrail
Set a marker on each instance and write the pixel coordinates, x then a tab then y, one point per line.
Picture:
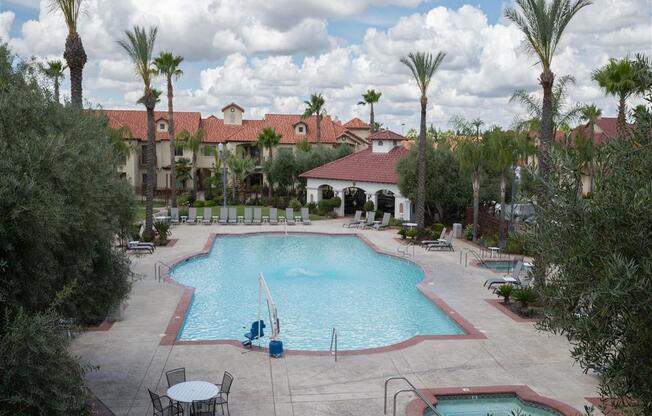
333	348
411	389
157	269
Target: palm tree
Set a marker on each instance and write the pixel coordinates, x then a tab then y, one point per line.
543	22
315	107
371	97
168	65
139	45
472	154
423	66
74	53
477	123
619	78
590	114
268	139
193	142
504	154
55	71
241	167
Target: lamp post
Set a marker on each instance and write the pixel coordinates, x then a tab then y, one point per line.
220	149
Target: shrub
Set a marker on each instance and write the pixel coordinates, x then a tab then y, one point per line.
209	194
525	296
295	204
369	206
412	232
184	199
468	232
282	203
489	241
163	230
395	222
332	214
312	207
336	201
403	233
210	203
436	229
198	204
505	292
325	206
183	211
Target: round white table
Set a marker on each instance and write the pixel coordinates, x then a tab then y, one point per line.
193	390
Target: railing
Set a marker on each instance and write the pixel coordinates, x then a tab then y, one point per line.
465	253
333	348
157	269
411	389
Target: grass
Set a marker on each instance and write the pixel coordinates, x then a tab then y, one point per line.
140	210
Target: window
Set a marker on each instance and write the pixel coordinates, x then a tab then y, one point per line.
300	129
178	151
143	154
208	150
162	126
380	142
393	142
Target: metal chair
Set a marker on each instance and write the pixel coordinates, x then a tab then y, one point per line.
176	376
172	409
204	407
225	389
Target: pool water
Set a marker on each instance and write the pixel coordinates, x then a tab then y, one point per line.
317	283
498	266
494	405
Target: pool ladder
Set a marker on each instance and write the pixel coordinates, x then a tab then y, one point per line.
411	389
406	250
157	269
465	252
333	348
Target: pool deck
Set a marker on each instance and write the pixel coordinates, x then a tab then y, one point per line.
132	358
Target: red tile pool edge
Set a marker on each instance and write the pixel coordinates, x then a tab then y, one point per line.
176	321
417	407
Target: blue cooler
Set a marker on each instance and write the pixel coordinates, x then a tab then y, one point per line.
275	349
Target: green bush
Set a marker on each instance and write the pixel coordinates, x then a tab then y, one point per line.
312	207
403	233
395	222
332	214
505	292
198	204
281	203
412	232
336	201
436	229
184	199
210	203
489	241
183	211
525	296
295	204
468	232
369	206
163	230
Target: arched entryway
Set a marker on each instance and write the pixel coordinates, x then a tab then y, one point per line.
385	201
354	199
323	192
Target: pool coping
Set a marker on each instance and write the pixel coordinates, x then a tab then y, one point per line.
179	315
417	408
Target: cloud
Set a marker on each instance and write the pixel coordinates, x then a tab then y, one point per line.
6	20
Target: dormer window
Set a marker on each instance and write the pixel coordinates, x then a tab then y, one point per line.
300	128
162	126
380	142
393	142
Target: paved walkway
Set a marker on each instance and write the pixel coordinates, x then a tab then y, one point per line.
131	359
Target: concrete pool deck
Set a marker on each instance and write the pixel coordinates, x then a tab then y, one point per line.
131	358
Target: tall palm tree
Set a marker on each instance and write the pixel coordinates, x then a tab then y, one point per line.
315	107
423	66
168	65
139	45
619	78
477	123
590	114
473	155
193	142
371	97
74	53
241	167
504	153
268	139
543	22
55	71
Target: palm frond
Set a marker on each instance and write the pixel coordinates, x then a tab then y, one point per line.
423	66
70	9
139	45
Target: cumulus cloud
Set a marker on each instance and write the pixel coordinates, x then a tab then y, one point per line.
6	20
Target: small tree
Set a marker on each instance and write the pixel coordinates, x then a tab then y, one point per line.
371	97
55	71
268	139
193	142
315	106
473	156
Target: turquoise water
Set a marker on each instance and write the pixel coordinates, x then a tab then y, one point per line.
317	282
497	405
499	266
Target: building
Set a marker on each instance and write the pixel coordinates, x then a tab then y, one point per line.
237	133
369	174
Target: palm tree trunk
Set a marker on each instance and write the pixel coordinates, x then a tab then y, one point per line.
476	204
56	89
501	226
173	146
546	80
269	183
621	124
590	164
371	118
75	57
318	129
421	172
150	160
194	175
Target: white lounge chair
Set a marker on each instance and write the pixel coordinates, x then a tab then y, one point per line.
514	278
140	246
224	215
441	238
384	223
208	213
448	243
273	216
174	215
233	215
369	219
356	220
289	216
305	216
248	215
192	216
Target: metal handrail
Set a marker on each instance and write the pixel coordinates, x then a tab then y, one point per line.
411	389
333	347
466	252
157	269
406	252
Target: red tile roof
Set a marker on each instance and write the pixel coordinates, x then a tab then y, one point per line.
385	135
364	166
356	123
605	130
136	122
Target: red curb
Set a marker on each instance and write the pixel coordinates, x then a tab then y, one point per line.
604	405
417	408
499	305
174	326
104	326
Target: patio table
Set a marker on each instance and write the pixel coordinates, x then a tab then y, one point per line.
265	219
493	250
240	219
214	218
411	224
188	391
281	218
297	218
184	218
200	218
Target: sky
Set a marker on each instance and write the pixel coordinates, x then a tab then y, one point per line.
268	56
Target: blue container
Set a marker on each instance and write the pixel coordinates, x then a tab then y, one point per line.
275	349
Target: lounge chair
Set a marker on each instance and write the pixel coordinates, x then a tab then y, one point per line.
138	246
356	220
369	219
289	216
384	223
273	216
174	215
438	245
439	240
258	216
208	213
224	215
305	216
192	216
512	278
248	215
233	215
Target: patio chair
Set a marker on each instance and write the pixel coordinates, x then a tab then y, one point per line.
138	246
224	215
369	219
225	390
258	216
208	213
172	408
514	278
176	376
192	216
384	223
289	216
233	215
248	215
273	216
356	220
439	240
438	245
174	215
305	216
204	407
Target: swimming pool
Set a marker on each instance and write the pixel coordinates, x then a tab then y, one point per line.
495	405
498	265
318	282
